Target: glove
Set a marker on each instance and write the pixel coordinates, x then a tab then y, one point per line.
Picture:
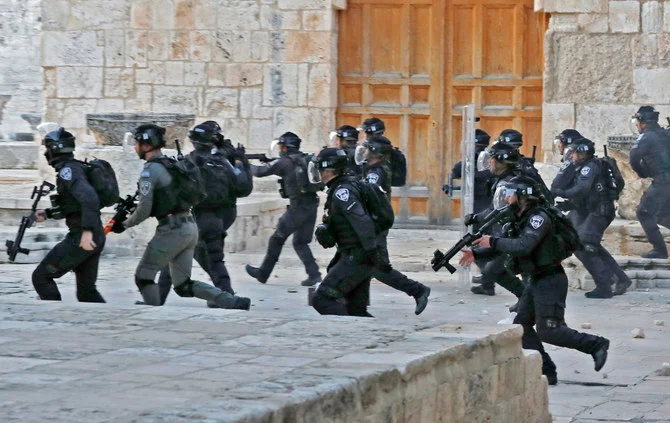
324	237
118	227
557	192
470	219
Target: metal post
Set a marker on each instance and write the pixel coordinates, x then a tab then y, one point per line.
468	178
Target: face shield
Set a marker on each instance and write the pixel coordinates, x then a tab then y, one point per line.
558	146
360	155
333	140
483	161
503	197
633	126
568	156
313	173
274	149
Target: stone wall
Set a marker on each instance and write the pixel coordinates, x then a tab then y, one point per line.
259	67
603	60
20	73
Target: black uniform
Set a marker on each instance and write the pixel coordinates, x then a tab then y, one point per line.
491	262
565	177
482	196
353	169
79	204
379	174
213	221
350	271
592	214
650	158
299	218
529	243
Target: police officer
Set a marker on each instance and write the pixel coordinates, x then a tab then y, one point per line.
299	218
372	126
218	212
78	203
593	211
481	195
532	250
345	291
501	159
374	155
564	144
176	235
650	158
346	138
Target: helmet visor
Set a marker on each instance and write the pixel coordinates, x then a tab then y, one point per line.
359	154
483	161
333	139
568	155
503	197
633	125
273	152
557	146
313	173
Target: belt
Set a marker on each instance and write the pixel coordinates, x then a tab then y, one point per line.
175	219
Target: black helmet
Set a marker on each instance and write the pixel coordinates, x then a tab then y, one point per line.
151	134
378	145
348	133
646	114
206	134
504	152
373	126
290	140
524	186
59	141
584	145
331	158
482	139
569	136
511	136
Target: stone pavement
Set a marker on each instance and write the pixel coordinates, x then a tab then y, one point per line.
627	389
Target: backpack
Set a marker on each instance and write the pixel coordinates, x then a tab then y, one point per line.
398	168
377	204
300	162
612	177
102	178
218	180
243	182
187	179
565	236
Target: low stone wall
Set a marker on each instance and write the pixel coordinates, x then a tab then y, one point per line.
19	155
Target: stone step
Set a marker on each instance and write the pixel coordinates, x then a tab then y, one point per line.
19	154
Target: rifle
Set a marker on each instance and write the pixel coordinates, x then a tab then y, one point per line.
262	157
123	208
14	247
179	155
450	188
441	259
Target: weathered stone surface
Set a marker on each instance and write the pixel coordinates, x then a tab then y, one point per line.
242	75
624	16
110	128
163	15
223	46
72	48
645	51
585	72
136	48
666	17
98	14
158	45
195	73
54	14
170	99
119	82
154	73
555	118
279	84
274	19
598	121
652	17
251	104
593	22
115	47
245	15
216	74
180	45
260	47
322	91
79	82
318	20
563	22
142	100
174	73
220	102
260	133
664	49
141	14
203	15
308	47
201	46
574	6
647	83
303	4
184	14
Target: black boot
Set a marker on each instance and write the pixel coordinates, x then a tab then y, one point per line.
311	281
600	355
598	293
255	272
421	300
482	290
655	254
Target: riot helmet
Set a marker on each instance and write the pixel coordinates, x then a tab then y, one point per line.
501	152
376	146
205	135
511	136
510	193
327	159
584	148
290	140
150	134
482	139
565	138
646	114
59	143
372	126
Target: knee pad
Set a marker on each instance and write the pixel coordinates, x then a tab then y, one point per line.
49	270
319	301
185	289
142	283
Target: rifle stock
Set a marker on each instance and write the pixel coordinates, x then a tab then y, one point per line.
14	247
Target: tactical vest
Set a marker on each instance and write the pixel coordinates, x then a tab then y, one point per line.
342	231
384	172
165	200
68	205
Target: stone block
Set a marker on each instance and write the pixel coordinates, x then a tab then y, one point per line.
666	16
159	42
71	48
308	47
261	47
593	22
119	82
664	50
645	51
318	20
242	48
50	83
321	89
274	19
251	104
195	73
575	6
220	102
203	15
647	84
201	46
80	82
98	14
222	49
142	101
109	105
54	14
115	50
244	15
136	48
180	45
563	22
169	99
277	46
624	16
236	129
174	73
598	121
303	4
260	133
244	74
279	82
154	73
141	14
163	16
184	14
652	17
303	83
556	118
585	72
510	379
216	74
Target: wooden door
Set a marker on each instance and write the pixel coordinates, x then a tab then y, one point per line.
415	63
